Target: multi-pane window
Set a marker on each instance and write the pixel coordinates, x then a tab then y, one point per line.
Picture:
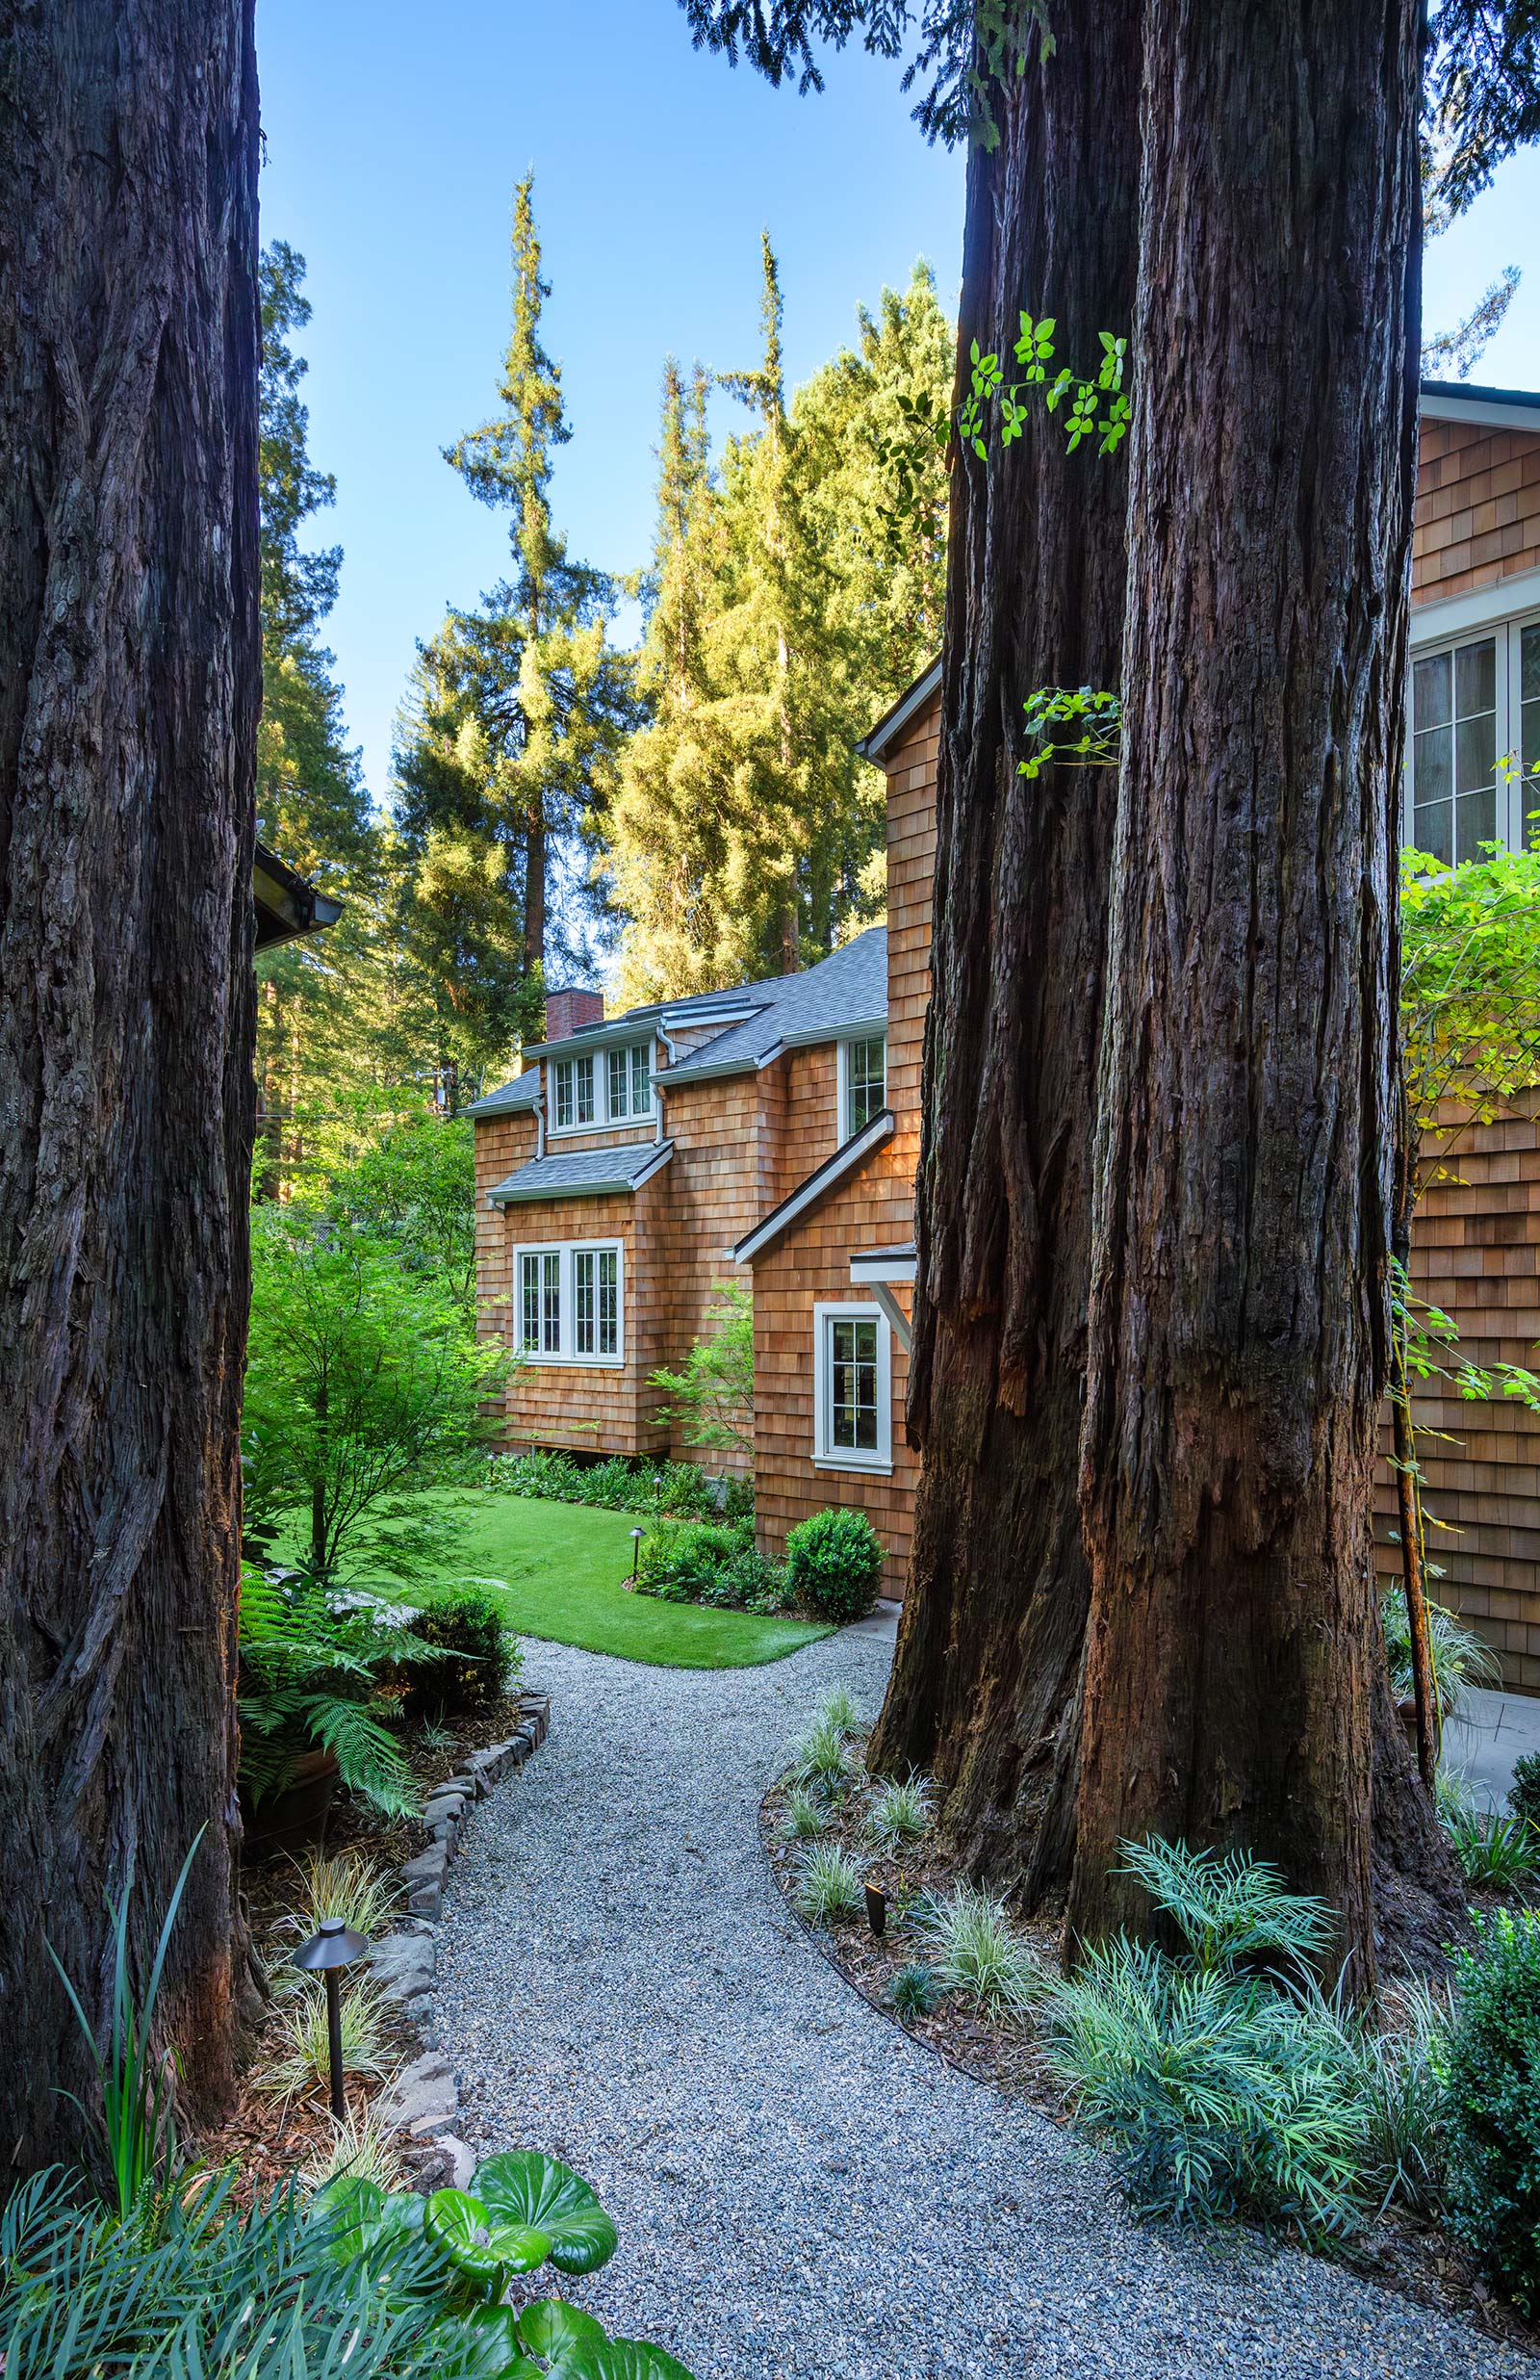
865	1080
569	1302
609	1086
1475	742
540	1301
853	1388
852	1385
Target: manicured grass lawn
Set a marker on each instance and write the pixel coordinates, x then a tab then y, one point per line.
558	1568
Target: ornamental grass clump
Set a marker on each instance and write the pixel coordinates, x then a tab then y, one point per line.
805	1815
914	1991
1490	2066
1461	1659
899	1812
1495	1851
362	2148
821	1758
301	2056
976	1952
348	1885
829	1886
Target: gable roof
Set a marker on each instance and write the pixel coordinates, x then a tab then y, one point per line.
845	1160
843	993
585	1172
892	723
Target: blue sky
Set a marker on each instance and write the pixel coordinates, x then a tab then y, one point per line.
395	136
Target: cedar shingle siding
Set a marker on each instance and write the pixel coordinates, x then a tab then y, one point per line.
744	1142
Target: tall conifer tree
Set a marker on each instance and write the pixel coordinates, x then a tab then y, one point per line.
552	699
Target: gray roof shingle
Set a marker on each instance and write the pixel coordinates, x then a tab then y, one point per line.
818	1004
585	1172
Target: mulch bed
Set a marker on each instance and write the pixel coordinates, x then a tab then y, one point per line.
1399	2252
270	2138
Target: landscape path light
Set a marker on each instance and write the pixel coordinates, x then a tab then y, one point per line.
637	1536
327	1952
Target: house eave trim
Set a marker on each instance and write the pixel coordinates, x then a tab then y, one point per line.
844	1161
892	723
592	1186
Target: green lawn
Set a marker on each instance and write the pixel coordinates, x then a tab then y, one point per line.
559	1568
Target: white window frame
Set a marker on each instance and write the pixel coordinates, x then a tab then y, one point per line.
846	1127
1443	628
826	1454
566	1351
600	1056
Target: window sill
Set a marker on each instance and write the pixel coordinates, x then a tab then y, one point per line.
601	1123
528	1362
853	1462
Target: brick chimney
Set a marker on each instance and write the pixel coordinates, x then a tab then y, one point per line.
569	1009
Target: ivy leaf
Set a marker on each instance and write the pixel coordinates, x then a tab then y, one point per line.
542	2209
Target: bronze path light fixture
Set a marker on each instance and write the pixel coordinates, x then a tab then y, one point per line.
327	1952
637	1536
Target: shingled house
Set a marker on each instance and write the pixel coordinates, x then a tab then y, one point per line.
771	1132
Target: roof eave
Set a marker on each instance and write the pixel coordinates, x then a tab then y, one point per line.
892	723
854	1152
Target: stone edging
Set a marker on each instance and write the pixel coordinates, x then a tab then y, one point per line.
422	2099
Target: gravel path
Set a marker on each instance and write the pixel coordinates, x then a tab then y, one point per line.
801	2193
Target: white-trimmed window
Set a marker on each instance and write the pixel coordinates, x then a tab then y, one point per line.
568	1301
605	1086
1474	740
862	1082
852	1389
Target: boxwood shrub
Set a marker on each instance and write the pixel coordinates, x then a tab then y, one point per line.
479	1655
1492	2080
834	1564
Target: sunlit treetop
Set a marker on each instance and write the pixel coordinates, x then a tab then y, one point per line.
1482	95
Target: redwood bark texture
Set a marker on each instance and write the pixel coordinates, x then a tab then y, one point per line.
1238	1292
129	686
988	1652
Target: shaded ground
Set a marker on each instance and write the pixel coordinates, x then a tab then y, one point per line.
801	2190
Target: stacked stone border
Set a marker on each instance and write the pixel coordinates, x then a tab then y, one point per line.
423	2099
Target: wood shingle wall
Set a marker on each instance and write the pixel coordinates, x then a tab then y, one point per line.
1477	507
1475	1254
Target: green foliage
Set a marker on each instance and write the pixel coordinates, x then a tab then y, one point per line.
1490	2061
1098	407
474	1654
977	1952
410	1184
821	1756
1214	2097
135	2114
1495	1851
362	1386
915	1990
1461	1659
1054	708
829	1886
747	837
1470	993
837	1710
299	2059
834	1564
1229	1909
680	1489
1482	96
361	2148
313	1669
899	1812
807	1814
1524	1794
346	1884
710	1563
256	2293
713	1396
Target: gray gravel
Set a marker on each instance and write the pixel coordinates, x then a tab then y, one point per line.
801	2193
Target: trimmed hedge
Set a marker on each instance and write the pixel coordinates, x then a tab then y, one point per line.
1492	2080
834	1566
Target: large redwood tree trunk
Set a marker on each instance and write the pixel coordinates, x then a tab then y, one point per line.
1238	1304
994	1619
129	684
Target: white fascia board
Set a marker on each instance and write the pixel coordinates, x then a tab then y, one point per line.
1485	412
809	1036
880	1268
832	1170
1481	606
671	1076
875	742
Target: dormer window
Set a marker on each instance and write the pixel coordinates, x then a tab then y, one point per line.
574	1094
862	1082
604	1086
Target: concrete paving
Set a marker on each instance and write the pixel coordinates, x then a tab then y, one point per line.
1484	1743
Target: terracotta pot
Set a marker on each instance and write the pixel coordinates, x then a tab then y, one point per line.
298	1812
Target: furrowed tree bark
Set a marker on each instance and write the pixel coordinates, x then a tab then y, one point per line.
994	1619
129	684
1239	1323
